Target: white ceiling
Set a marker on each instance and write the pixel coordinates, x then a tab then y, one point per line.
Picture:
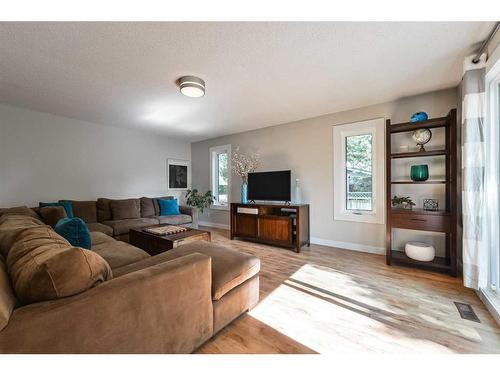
257	74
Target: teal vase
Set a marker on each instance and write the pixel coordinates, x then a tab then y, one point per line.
244	192
419	172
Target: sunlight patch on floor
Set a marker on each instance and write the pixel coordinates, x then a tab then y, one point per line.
331	312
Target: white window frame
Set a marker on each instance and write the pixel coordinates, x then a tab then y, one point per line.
375	127
492	138
214	171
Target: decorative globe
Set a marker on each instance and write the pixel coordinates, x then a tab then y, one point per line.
419	116
421	137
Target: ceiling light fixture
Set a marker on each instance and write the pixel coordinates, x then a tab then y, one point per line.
192	86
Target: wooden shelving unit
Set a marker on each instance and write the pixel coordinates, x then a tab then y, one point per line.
432	221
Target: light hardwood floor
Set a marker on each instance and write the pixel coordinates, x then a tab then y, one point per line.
327	300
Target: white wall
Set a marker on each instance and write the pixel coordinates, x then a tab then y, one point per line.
306	148
45	157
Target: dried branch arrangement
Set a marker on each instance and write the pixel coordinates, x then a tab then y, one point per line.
243	164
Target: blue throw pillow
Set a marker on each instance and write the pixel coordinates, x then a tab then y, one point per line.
75	231
68	206
168	207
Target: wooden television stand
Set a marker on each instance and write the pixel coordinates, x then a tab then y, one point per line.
275	224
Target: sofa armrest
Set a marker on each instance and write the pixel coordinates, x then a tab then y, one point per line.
191	211
165	308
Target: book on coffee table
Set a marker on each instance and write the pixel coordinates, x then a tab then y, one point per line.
165	230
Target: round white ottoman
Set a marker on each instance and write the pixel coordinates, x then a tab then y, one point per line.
420	251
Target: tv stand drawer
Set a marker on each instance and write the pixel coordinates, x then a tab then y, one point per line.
247	210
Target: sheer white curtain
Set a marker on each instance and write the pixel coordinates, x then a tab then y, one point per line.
474	195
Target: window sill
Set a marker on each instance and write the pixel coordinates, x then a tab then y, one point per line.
362	218
219	207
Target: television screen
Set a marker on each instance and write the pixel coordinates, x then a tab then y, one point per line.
269	186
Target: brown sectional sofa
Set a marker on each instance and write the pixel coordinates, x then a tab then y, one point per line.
169	303
115	217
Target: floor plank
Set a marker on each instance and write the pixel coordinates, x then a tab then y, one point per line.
327	300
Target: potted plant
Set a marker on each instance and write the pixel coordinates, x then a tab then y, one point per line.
242	165
404	203
200	201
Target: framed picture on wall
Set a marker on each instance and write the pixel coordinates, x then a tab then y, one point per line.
178	174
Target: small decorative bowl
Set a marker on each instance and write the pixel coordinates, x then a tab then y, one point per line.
419	116
420	251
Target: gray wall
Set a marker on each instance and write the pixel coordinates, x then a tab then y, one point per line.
305	147
45	157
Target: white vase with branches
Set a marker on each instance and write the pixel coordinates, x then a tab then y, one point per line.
242	165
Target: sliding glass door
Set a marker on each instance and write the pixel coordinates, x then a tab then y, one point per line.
492	176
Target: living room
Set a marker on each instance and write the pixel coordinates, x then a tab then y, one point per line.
196	186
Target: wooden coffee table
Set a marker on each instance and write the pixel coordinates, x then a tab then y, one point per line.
154	244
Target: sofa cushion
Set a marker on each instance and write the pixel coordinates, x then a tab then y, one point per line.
10	227
147	207
125	209
20	210
124	226
86	210
118	253
44	266
175	219
99	238
230	268
75	231
7	297
236	302
103	209
52	214
157	205
99	227
66	204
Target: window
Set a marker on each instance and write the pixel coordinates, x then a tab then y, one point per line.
220	175
358	169
358	159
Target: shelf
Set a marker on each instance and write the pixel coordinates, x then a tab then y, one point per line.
418	211
439	264
277	216
412	126
419	182
418	154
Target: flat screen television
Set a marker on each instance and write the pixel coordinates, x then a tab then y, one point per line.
269	186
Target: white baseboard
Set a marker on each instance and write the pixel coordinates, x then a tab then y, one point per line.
213	225
348	245
317	241
491	302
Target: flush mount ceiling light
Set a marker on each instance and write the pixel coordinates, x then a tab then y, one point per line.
192	86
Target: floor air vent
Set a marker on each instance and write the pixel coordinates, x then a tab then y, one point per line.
467	312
